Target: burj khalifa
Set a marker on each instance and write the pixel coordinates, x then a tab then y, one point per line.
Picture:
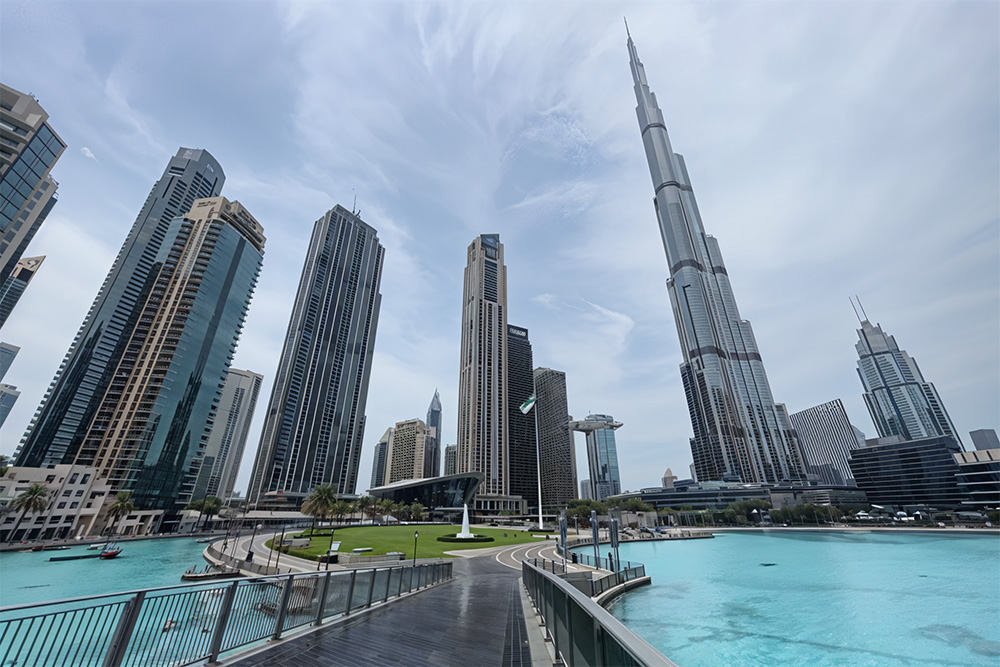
740	434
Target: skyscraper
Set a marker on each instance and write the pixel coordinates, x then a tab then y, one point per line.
555	440
826	439
482	384
738	430
228	438
12	288
432	459
407	448
97	354
899	400
379	460
522	443
28	151
8	396
602	455
151	426
316	414
450	463
7	354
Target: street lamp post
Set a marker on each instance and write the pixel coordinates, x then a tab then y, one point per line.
281	545
250	548
415	534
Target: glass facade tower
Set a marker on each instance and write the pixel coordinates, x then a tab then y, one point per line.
28	151
316	414
12	288
899	400
739	432
432	458
826	439
522	443
555	440
97	354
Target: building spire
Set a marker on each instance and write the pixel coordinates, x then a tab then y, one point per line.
626	28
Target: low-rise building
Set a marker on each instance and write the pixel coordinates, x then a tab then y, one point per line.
979	474
894	471
76	500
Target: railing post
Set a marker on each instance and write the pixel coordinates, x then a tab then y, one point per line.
388	581
399	591
123	633
220	626
350	592
286	596
371	588
322	599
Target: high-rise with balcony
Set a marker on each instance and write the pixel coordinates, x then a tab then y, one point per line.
228	438
899	400
404	458
482	381
826	438
739	431
98	353
315	419
28	150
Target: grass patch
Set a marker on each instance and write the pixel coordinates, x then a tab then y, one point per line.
383	539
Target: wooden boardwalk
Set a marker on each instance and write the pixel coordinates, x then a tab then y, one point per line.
476	619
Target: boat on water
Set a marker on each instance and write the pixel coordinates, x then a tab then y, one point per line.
202	540
110	551
95	547
76	557
211	572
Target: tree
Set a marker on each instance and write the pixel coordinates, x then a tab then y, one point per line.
341	509
4	464
362	504
122	507
320	503
207	507
416	511
33	501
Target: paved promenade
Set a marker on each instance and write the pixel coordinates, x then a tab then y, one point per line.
479	618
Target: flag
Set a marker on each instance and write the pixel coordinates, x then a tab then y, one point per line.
528	404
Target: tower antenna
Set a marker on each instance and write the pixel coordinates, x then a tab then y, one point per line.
626	28
855	309
861	306
354	208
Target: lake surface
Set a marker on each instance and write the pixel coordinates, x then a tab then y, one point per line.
832	598
28	578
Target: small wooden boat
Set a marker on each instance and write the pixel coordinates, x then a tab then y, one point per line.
202	540
95	547
55	548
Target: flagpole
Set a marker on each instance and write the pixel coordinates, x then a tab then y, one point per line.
538	464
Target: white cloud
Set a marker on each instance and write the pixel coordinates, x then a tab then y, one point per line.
88	154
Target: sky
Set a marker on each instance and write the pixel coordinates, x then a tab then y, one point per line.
835	148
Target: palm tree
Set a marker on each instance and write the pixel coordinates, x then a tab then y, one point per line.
32	501
341	509
362	504
416	511
122	507
320	503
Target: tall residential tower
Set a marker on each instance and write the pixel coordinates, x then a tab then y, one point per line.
432	459
826	439
316	415
739	432
98	353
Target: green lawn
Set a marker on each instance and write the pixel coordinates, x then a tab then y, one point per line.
383	539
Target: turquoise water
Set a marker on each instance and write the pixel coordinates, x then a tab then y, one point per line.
28	578
837	599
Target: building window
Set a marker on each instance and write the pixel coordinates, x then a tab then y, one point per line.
60	506
73	506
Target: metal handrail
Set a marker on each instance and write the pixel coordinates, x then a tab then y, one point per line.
192	623
583	633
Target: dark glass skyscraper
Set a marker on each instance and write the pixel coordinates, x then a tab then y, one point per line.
522	443
432	457
739	432
98	352
555	440
316	415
